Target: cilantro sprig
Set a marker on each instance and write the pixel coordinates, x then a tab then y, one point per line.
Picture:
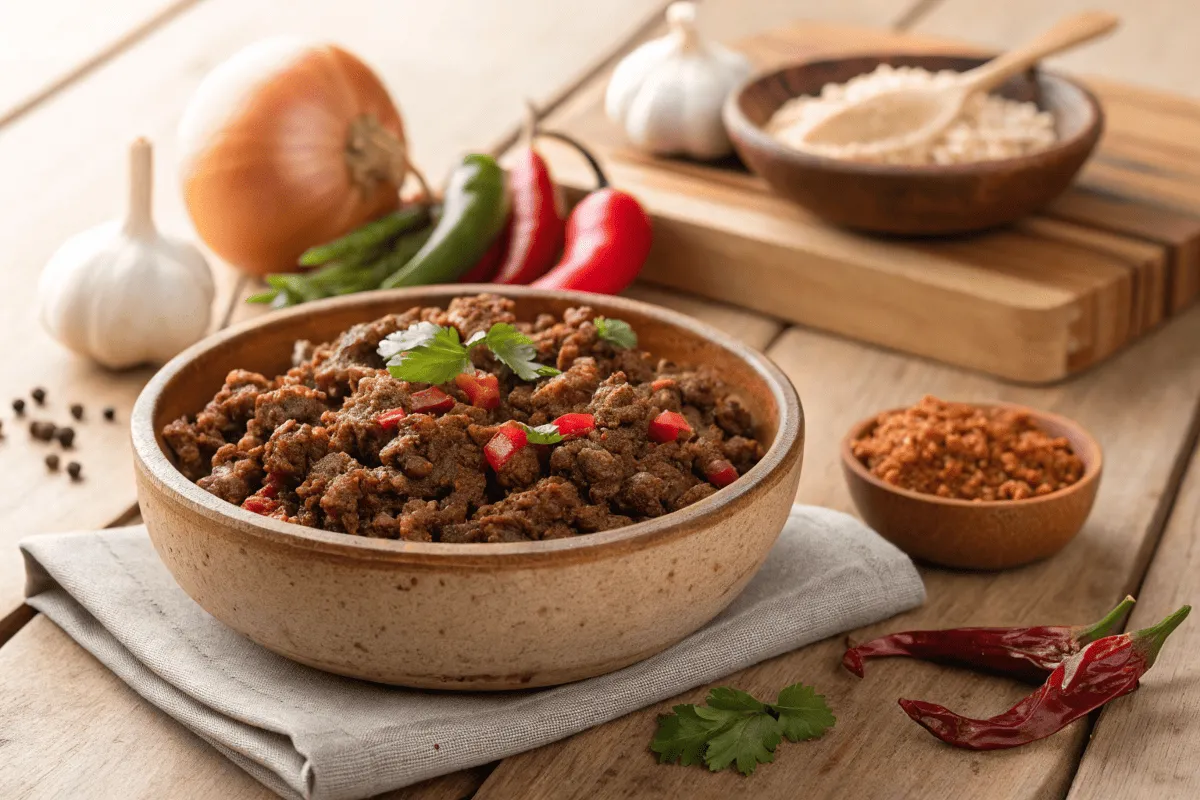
429	353
616	332
542	434
733	728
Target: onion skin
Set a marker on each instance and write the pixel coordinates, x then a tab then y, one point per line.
266	172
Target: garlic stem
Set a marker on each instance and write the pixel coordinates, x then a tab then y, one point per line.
139	223
681	17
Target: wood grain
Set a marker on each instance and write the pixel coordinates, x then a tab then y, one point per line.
431	62
875	750
1144	746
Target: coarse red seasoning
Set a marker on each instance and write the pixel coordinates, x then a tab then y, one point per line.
962	451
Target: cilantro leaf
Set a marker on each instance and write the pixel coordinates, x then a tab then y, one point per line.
616	332
436	361
730	699
802	712
683	735
750	741
542	434
515	350
416	335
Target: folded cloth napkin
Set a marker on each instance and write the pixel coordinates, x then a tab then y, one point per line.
305	733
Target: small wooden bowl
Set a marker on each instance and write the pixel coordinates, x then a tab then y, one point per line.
465	616
977	535
913	200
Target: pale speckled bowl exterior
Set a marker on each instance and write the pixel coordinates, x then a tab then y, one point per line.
465	616
984	535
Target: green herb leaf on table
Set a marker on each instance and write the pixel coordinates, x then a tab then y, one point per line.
616	332
733	728
436	361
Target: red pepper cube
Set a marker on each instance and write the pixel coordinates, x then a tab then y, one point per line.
662	383
481	388
668	427
260	505
431	401
720	473
575	425
507	442
388	420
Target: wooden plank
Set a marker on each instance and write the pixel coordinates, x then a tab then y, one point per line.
1154	46
431	59
45	46
875	750
118	744
1144	746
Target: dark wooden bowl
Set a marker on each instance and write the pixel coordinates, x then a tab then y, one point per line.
465	616
977	535
913	200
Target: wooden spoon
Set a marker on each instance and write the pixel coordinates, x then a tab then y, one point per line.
904	118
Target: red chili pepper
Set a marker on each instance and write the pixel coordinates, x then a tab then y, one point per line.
607	240
668	427
507	442
1104	670
431	401
259	504
482	388
721	473
537	227
575	425
485	269
1028	654
388	420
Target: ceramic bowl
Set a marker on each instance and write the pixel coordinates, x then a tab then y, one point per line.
913	200
465	616
977	535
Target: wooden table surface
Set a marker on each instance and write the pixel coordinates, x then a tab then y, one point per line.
76	85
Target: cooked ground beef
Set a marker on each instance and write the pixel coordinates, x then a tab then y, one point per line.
308	446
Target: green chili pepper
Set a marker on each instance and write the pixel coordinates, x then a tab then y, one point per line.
474	212
367	238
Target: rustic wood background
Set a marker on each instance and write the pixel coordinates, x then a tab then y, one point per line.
77	83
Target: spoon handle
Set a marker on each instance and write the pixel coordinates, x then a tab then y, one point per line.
1068	32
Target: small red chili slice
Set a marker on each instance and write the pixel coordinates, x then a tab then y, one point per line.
720	473
431	401
482	388
575	425
668	426
388	420
507	442
260	505
663	383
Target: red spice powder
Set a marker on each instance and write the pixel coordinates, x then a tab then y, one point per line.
966	452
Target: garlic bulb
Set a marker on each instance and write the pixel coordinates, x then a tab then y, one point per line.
121	293
668	93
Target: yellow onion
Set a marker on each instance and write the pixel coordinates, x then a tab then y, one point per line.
286	145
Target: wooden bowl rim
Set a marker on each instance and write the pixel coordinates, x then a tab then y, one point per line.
734	117
155	466
1093	461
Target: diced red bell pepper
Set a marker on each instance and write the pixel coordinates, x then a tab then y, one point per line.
662	383
388	420
575	425
507	442
720	473
258	504
269	490
668	426
431	401
482	388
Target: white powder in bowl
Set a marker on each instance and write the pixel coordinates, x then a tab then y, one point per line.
990	127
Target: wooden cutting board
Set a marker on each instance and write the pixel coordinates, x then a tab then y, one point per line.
1034	302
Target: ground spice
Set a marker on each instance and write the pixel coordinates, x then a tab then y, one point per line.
962	451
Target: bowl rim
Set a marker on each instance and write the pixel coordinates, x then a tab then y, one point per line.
1093	461
153	464
736	120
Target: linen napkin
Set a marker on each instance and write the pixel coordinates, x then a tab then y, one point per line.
308	734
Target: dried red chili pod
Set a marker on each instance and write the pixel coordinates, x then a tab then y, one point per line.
1104	670
1028	654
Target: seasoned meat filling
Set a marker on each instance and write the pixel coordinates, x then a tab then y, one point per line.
338	443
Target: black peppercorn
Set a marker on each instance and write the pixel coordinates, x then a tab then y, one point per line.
19	407
66	436
73	469
77	411
42	431
110	413
52	462
39	396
